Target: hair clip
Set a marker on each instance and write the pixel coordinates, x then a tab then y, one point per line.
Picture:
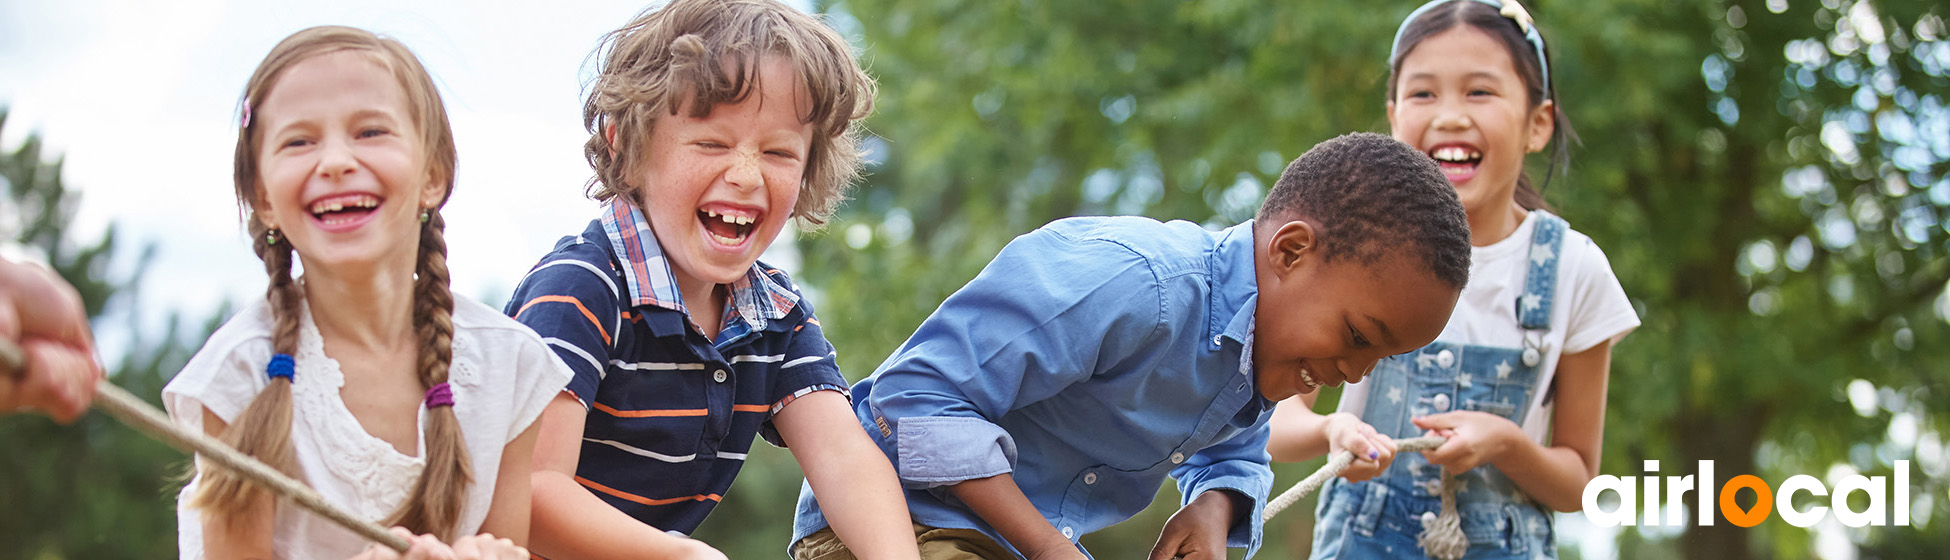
281	366
1511	9
247	114
440	395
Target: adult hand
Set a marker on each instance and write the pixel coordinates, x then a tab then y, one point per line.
1197	532
1475	438
43	317
1372	451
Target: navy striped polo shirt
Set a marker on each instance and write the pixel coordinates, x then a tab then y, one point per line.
671	414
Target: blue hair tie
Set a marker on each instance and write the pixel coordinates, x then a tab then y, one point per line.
1509	9
281	366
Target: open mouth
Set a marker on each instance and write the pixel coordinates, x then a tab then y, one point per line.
727	226
1458	162
344	209
1307	377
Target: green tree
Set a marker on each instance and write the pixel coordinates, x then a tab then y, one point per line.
94	489
1766	177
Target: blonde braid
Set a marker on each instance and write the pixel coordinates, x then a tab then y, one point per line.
263	430
435	504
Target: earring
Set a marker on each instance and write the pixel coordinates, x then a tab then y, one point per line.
425	215
271	236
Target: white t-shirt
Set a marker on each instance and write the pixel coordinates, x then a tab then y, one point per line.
502	376
1589	308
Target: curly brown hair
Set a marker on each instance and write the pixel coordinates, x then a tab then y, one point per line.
707	52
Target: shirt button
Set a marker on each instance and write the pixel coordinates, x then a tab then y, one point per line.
1531	357
1446	358
1441	402
1089	478
1069	533
1428	517
1215	339
718	376
1177	458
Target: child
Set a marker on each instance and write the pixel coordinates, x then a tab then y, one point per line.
366	379
712	124
1050	396
1528	350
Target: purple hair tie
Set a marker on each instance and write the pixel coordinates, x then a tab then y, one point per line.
280	366
439	396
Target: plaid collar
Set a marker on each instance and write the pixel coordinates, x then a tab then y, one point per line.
755	298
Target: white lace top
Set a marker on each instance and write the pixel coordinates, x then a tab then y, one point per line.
502	376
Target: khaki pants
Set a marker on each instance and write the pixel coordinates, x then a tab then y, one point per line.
935	543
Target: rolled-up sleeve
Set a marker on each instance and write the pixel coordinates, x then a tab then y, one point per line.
1238	464
1047	313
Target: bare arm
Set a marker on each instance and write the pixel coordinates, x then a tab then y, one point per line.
998	501
853	480
569	521
508	515
248	533
1556	475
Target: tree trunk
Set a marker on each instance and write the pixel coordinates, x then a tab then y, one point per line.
1710	434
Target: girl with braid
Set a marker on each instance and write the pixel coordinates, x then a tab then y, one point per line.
364	377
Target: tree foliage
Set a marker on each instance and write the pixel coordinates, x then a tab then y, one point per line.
94	489
1766	177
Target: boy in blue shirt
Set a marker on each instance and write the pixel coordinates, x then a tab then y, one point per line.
1050	396
712	124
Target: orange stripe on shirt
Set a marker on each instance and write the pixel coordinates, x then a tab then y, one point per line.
567	299
650	413
750	408
642	500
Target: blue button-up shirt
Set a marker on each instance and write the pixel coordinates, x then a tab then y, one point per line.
1090	359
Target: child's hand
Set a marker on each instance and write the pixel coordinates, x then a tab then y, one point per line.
1197	532
486	547
1475	438
693	549
422	547
1372	451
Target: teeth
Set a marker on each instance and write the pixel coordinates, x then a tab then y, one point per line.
728	218
1307	377
1454	154
343	203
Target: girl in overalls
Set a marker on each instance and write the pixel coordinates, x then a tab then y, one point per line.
1516	381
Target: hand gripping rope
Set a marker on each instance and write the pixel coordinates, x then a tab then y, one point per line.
1442	535
136	413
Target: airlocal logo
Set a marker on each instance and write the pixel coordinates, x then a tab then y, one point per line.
1677	486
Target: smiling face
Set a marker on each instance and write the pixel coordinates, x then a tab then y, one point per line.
1459	99
1328	323
718	189
341	171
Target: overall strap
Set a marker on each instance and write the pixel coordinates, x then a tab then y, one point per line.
1546	243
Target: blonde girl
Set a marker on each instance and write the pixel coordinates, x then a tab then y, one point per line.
365	377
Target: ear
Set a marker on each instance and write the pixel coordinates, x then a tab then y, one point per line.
1391	115
433	193
1543	122
260	208
609	136
1293	246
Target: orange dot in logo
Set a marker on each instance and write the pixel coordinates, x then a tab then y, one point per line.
1763	503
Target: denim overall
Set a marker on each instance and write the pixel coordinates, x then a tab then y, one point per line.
1382	517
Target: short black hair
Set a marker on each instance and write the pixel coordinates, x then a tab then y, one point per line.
1368	194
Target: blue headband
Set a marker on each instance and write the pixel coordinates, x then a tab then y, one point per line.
1511	10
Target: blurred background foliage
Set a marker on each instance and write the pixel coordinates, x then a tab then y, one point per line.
1767	177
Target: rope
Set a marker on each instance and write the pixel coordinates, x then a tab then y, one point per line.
1442	536
142	416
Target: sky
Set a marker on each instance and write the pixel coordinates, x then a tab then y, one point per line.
140	99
